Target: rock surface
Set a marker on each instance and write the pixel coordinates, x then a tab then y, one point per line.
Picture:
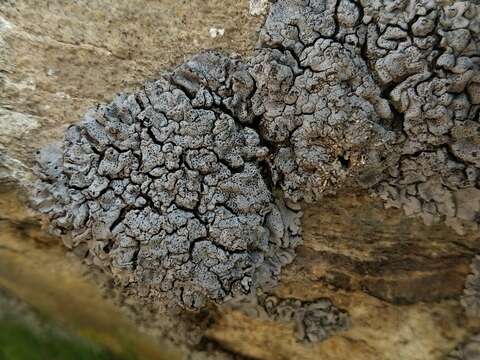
399	280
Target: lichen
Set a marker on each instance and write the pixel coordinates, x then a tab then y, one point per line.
382	92
318	104
425	57
314	320
386	94
192	186
164	188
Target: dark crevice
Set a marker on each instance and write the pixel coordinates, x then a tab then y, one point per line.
343	161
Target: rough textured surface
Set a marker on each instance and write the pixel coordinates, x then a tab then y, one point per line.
399	280
425	56
168	183
470	350
338	71
319	105
314	320
164	189
471	296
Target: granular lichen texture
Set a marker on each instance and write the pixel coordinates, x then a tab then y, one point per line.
191	187
165	188
314	320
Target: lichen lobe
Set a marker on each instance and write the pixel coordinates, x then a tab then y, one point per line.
164	188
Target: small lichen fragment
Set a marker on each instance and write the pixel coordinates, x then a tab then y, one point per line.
314	320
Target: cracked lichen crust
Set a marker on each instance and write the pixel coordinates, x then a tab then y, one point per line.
384	92
319	105
164	188
425	56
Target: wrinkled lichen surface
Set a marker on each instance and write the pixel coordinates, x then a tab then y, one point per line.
313	321
165	188
191	188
